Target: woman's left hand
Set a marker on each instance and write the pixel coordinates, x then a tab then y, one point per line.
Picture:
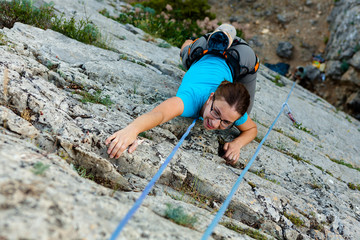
232	152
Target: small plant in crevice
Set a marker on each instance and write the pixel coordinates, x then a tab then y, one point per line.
357	48
300	127
344	66
294	219
342	162
164	45
94	98
348	118
39	168
351	186
144	135
287	135
83	172
262	174
2	39
277	81
315	185
252	185
181	67
178	215
247	231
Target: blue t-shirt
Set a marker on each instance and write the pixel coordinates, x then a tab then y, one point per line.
200	81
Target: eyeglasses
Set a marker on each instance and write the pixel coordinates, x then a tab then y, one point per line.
223	123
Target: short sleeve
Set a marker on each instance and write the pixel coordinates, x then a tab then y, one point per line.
241	120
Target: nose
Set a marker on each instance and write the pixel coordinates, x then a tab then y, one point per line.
216	123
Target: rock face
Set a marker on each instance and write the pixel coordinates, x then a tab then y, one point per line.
284	49
57	182
343	54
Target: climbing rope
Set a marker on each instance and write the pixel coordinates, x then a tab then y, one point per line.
149	186
226	203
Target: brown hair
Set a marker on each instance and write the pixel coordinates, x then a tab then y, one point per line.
235	94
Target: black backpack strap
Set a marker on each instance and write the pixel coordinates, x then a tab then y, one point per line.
241	59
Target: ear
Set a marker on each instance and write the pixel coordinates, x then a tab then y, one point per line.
210	97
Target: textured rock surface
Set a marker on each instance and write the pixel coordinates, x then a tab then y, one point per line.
296	189
343	54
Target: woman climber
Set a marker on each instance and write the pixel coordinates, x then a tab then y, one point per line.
219	87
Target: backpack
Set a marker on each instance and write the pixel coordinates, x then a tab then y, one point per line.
240	57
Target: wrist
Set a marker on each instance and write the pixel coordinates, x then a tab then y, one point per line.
133	129
238	141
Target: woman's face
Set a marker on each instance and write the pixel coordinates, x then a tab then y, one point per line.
218	114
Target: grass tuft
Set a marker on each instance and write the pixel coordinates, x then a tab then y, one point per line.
44	17
277	81
178	215
342	162
294	219
94	98
40	168
300	127
250	232
83	172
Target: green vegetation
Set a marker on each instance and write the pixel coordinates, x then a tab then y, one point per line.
357	48
40	168
174	21
261	174
342	162
287	135
178	215
258	139
300	127
2	39
326	39
277	81
84	173
348	118
164	45
344	66
351	186
182	68
191	188
250	232
96	98
294	219
315	185
318	167
330	173
252	185
44	17
182	10
144	135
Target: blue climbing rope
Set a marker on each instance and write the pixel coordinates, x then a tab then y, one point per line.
149	186
226	203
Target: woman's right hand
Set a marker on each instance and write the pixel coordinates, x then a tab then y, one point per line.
126	137
120	141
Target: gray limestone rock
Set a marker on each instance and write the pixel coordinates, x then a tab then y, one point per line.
49	161
284	49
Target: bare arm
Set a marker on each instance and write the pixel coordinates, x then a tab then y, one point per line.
186	43
248	132
123	138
